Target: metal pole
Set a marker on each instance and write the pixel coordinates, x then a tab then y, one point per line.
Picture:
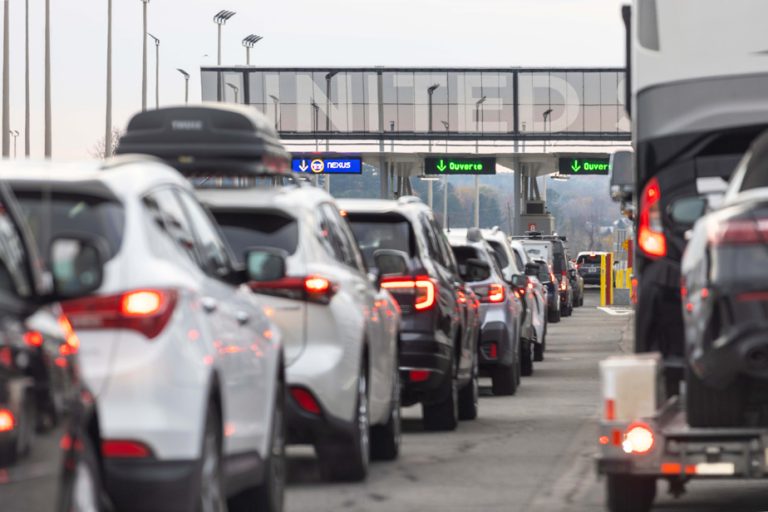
157	74
108	128
27	136
48	134
144	61
477	201
219	59
248	55
446	225
429	130
6	81
186	91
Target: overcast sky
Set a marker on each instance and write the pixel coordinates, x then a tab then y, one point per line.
296	33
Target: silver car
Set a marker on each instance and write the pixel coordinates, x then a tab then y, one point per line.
340	328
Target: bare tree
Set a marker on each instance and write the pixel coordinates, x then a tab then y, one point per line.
99	149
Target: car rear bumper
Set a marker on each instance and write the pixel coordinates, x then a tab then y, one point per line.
495	333
307	428
419	351
149	486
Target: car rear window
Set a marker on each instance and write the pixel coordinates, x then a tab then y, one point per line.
498	248
464	253
374	232
588	260
258	229
50	214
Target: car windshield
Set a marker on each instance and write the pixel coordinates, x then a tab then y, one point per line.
49	216
386	232
258	229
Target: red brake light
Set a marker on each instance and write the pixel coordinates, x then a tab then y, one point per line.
564	282
145	311
7	421
317	285
305	400
496	293
33	338
423	288
738	232
650	236
638	439
552	277
418	375
123	449
311	288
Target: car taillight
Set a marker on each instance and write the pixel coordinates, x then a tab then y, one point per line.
305	399
639	439
422	288
71	342
7	420
495	294
738	232
564	282
145	311
33	338
313	288
650	238
125	449
552	277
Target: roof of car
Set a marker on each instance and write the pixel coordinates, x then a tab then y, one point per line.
122	175
401	205
287	198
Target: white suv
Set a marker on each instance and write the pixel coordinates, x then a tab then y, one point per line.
185	366
340	328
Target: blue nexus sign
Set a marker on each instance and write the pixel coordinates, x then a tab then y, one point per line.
327	165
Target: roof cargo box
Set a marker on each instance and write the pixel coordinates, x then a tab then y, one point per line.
209	139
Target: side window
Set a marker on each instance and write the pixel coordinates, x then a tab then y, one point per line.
519	261
433	246
166	212
339	238
213	251
448	256
13	272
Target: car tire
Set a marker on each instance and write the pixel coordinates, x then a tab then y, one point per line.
87	485
385	439
527	357
269	495
506	379
211	497
710	407
348	462
469	397
554	316
443	415
630	493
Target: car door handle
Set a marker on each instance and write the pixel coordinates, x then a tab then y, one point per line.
243	317
209	304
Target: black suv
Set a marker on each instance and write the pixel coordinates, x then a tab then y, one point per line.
438	339
49	441
551	248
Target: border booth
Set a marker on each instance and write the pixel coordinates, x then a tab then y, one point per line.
225	142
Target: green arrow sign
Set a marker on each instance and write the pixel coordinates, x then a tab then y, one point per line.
585	165
460	165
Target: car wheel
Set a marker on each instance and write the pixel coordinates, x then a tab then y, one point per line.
554	316
211	497
505	379
630	493
443	415
86	489
527	357
348	462
538	351
469	397
268	496
385	439
710	407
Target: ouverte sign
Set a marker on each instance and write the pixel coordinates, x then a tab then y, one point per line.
448	165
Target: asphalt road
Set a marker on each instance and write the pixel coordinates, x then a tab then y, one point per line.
530	453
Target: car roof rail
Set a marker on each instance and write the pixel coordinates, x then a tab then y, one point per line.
474	235
408	200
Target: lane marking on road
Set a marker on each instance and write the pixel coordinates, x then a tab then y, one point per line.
616	311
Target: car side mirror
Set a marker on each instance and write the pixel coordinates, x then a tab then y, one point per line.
265	264
531	269
390	262
475	270
77	265
519	281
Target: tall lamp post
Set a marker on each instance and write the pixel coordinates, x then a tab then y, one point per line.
316	112
108	129
236	90
6	81
478	115
445	181
27	110
157	70
15	135
328	77
547	115
276	103
430	91
144	60
249	42
221	19
186	84
48	135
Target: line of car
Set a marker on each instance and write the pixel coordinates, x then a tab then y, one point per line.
170	322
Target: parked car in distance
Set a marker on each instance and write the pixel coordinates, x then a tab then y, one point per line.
536	293
49	425
588	264
577	284
438	334
504	354
724	300
186	368
340	328
541	252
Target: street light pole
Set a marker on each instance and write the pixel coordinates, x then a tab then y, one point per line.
6	81
144	60
186	84
430	91
27	136
249	42
276	102
445	182
478	113
108	132
157	70
236	90
48	134
221	19
15	135
547	115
